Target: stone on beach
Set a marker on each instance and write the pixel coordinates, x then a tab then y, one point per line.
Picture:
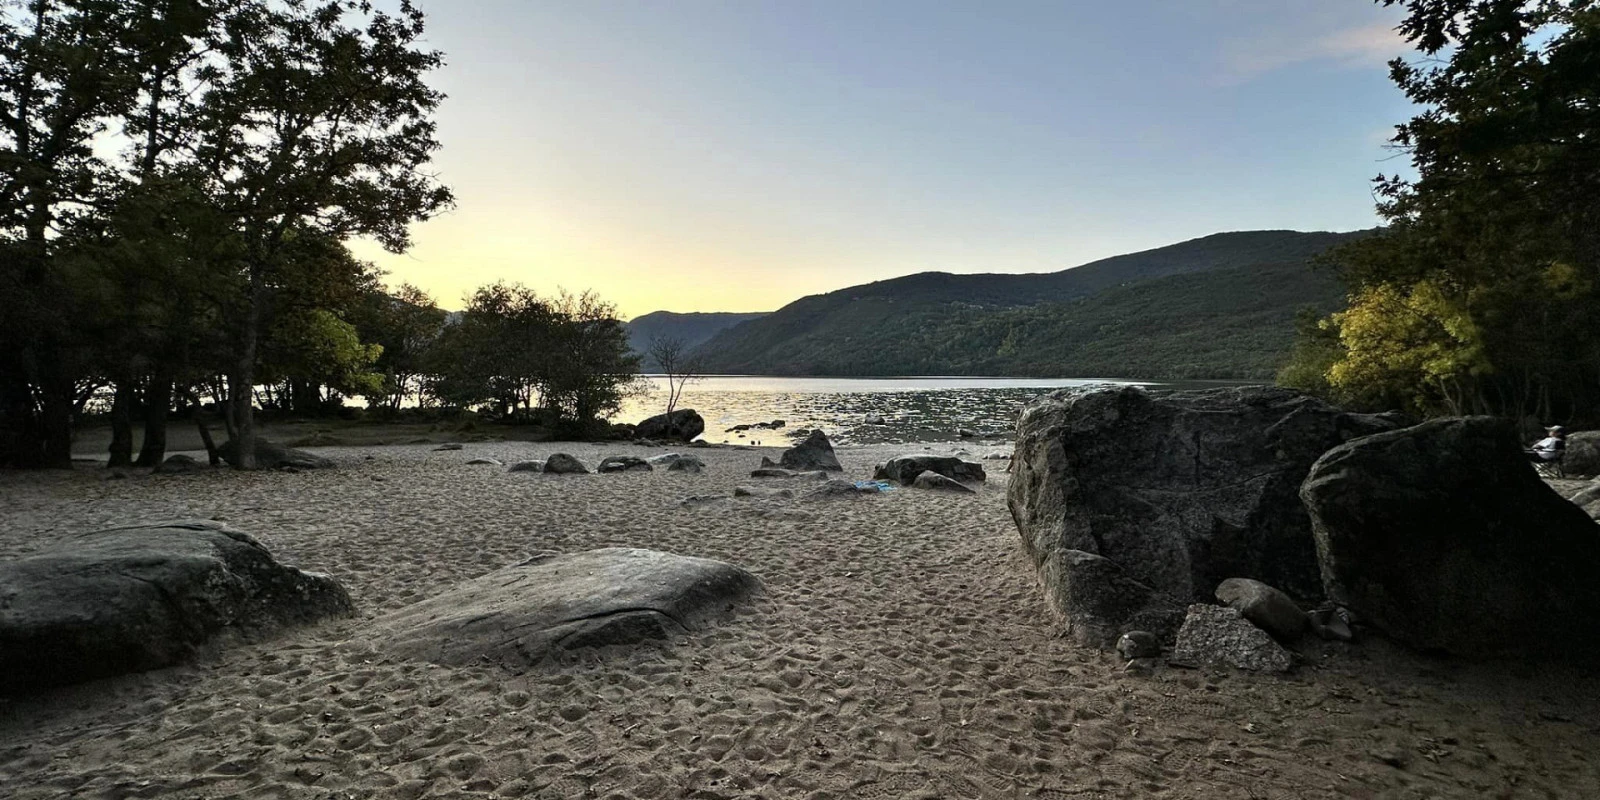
182	463
1217	636
484	462
939	483
1270	609
1442	536
815	453
905	469
623	464
1099	600
564	464
757	491
522	614
682	425
527	466
142	597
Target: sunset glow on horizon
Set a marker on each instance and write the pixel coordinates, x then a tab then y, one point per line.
716	156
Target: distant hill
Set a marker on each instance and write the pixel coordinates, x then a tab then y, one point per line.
693	329
1218	307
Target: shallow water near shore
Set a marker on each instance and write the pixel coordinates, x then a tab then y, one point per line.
922	409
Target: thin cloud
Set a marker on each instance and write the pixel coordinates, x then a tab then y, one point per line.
1362	47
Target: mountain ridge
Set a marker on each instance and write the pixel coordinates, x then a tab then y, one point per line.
877	328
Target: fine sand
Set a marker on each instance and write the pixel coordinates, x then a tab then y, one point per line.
902	649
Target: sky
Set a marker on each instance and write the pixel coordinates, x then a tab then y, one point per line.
737	155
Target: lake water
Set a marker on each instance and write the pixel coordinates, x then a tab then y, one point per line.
912	409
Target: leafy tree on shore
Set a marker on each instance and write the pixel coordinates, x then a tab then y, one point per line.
1481	297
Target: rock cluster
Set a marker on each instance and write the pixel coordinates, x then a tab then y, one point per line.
904	470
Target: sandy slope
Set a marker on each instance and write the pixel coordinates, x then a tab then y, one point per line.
902	650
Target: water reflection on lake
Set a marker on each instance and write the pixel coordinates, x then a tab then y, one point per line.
912	409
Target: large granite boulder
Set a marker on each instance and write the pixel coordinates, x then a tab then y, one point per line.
905	469
138	598
271	455
519	615
1583	454
815	453
1182	489
1442	536
682	425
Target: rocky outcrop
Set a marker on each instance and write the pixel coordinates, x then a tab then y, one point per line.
623	464
1182	489
815	453
1215	636
271	455
939	483
523	614
142	597
1583	454
1442	536
682	425
905	469
1266	607
564	464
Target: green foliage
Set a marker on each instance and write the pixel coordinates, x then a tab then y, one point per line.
1481	297
1219	307
514	351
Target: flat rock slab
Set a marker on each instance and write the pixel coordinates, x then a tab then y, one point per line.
936	482
522	614
1217	636
623	464
139	598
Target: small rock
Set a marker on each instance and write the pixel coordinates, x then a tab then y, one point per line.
1138	644
689	464
484	462
564	464
936	482
664	460
1270	609
527	466
771	472
181	463
1220	636
623	464
965	433
449	446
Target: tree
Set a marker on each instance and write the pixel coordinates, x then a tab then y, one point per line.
312	126
1481	295
406	324
678	365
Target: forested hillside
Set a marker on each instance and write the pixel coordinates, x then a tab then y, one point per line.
691	329
1218	307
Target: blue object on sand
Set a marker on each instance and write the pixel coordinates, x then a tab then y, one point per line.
875	486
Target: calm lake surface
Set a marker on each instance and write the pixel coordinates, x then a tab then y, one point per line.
913	409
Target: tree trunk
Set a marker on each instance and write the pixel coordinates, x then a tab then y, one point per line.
205	436
56	419
157	405
241	384
121	454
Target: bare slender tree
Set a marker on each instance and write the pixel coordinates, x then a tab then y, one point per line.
678	364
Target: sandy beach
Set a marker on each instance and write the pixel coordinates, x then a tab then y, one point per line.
902	649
